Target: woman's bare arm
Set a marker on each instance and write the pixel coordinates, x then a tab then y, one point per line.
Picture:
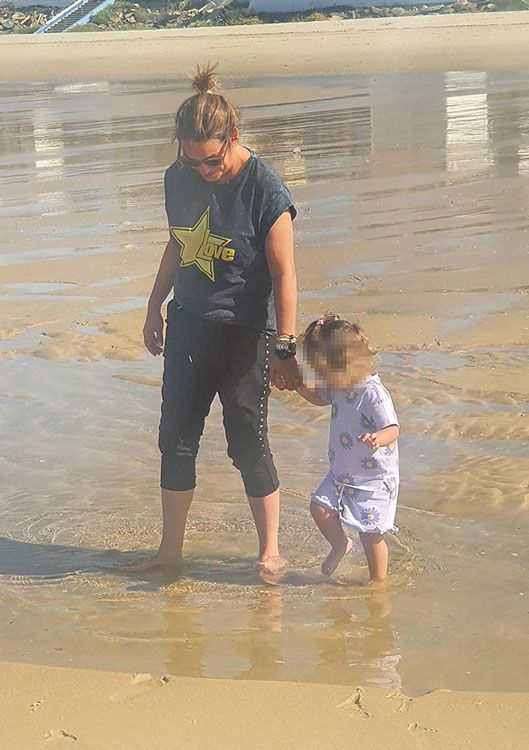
279	251
153	328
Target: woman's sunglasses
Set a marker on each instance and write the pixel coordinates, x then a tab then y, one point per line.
211	162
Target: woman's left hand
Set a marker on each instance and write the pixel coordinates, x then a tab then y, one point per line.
284	374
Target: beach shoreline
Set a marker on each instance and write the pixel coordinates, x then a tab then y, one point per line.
70	304
45	706
362	46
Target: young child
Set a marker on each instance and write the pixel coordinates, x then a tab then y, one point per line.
360	490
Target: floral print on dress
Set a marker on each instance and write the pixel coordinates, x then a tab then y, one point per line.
370	463
366	407
346	440
367	507
369	423
370	516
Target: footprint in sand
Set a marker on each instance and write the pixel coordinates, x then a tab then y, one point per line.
355	706
402	701
414	726
59	737
138	686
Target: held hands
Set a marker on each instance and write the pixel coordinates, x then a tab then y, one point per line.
284	374
153	332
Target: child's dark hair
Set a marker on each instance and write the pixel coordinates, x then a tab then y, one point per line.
206	114
333	342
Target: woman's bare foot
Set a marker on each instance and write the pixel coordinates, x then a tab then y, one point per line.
272	570
335	557
376	584
159	560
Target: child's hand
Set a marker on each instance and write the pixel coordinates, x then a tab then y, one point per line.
371	438
285	374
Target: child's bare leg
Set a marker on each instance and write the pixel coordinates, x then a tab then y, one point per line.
330	526
376	551
175	506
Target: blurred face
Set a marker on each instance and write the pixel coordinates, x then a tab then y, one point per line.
343	361
336	377
208	158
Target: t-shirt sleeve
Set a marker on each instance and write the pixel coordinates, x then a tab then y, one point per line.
172	186
167	187
377	410
279	202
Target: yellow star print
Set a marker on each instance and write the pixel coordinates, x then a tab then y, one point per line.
198	246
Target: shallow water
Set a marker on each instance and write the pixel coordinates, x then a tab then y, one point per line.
412	195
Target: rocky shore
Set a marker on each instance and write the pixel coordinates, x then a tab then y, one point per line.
23	21
167	14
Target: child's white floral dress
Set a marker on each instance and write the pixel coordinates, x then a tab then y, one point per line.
362	484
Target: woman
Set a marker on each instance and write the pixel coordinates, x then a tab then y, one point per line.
230	259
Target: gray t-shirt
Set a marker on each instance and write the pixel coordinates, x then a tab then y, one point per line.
221	230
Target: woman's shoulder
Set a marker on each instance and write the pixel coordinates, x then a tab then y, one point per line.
181	183
173	173
266	174
271	193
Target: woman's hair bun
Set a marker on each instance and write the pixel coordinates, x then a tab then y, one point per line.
205	114
205	79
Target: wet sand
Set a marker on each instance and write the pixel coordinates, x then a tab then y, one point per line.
417	44
412	195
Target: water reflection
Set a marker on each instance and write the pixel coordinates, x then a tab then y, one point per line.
452	124
312	144
49	144
184	637
263	656
429	162
508	132
269	634
205	640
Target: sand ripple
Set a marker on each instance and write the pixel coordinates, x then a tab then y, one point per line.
477	487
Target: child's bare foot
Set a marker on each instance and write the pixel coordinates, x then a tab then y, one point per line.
159	560
335	557
272	570
378	603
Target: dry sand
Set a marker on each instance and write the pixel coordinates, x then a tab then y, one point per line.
48	707
470	42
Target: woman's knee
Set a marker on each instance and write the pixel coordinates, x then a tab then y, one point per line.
177	472
258	474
